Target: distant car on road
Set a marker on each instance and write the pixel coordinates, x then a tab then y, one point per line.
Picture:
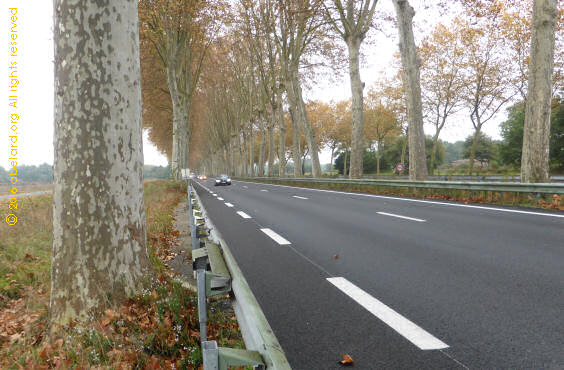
202	177
222	180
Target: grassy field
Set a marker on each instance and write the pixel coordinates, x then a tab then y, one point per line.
158	328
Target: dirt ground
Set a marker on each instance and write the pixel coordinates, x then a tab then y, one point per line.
182	263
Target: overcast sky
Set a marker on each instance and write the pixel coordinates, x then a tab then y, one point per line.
35	47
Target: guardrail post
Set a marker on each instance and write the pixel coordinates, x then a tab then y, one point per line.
202	310
210	353
193	228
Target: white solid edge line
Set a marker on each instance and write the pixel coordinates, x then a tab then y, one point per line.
421	201
274	236
219	198
243	214
403	326
404	217
296	196
228	204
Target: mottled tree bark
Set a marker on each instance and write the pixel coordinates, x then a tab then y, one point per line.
536	134
232	155
296	147
404	148
262	149
354	18
345	163
281	138
296	99
180	137
99	239
474	146
271	147
357	142
245	168
251	151
411	64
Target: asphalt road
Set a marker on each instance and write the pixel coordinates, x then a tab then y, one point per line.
417	284
24	195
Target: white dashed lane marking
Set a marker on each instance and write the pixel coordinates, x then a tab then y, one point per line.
403	326
228	204
404	217
243	214
274	236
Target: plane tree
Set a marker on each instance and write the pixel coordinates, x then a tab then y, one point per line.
352	19
181	32
100	255
411	64
536	133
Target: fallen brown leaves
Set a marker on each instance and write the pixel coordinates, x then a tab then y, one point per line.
158	329
15	320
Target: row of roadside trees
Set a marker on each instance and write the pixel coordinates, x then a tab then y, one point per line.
250	100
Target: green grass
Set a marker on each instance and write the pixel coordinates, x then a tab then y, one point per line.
25	248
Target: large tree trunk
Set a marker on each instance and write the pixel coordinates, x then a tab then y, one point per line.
345	164
331	159
536	134
378	157
233	152
434	152
251	152
404	148
296	149
244	155
262	151
303	120
271	145
179	138
411	64
99	239
281	139
357	146
180	120
473	149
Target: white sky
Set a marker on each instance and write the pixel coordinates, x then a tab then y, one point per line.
35	104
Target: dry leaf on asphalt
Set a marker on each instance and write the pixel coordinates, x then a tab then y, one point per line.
347	360
336	256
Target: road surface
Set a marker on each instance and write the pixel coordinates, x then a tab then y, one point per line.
416	284
23	195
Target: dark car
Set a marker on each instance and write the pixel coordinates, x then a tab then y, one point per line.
222	180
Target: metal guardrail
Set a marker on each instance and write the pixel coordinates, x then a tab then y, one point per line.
225	275
535	188
473	178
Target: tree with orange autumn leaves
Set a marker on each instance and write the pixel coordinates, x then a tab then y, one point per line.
464	68
180	33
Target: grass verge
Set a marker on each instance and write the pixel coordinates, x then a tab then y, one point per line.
545	201
157	329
